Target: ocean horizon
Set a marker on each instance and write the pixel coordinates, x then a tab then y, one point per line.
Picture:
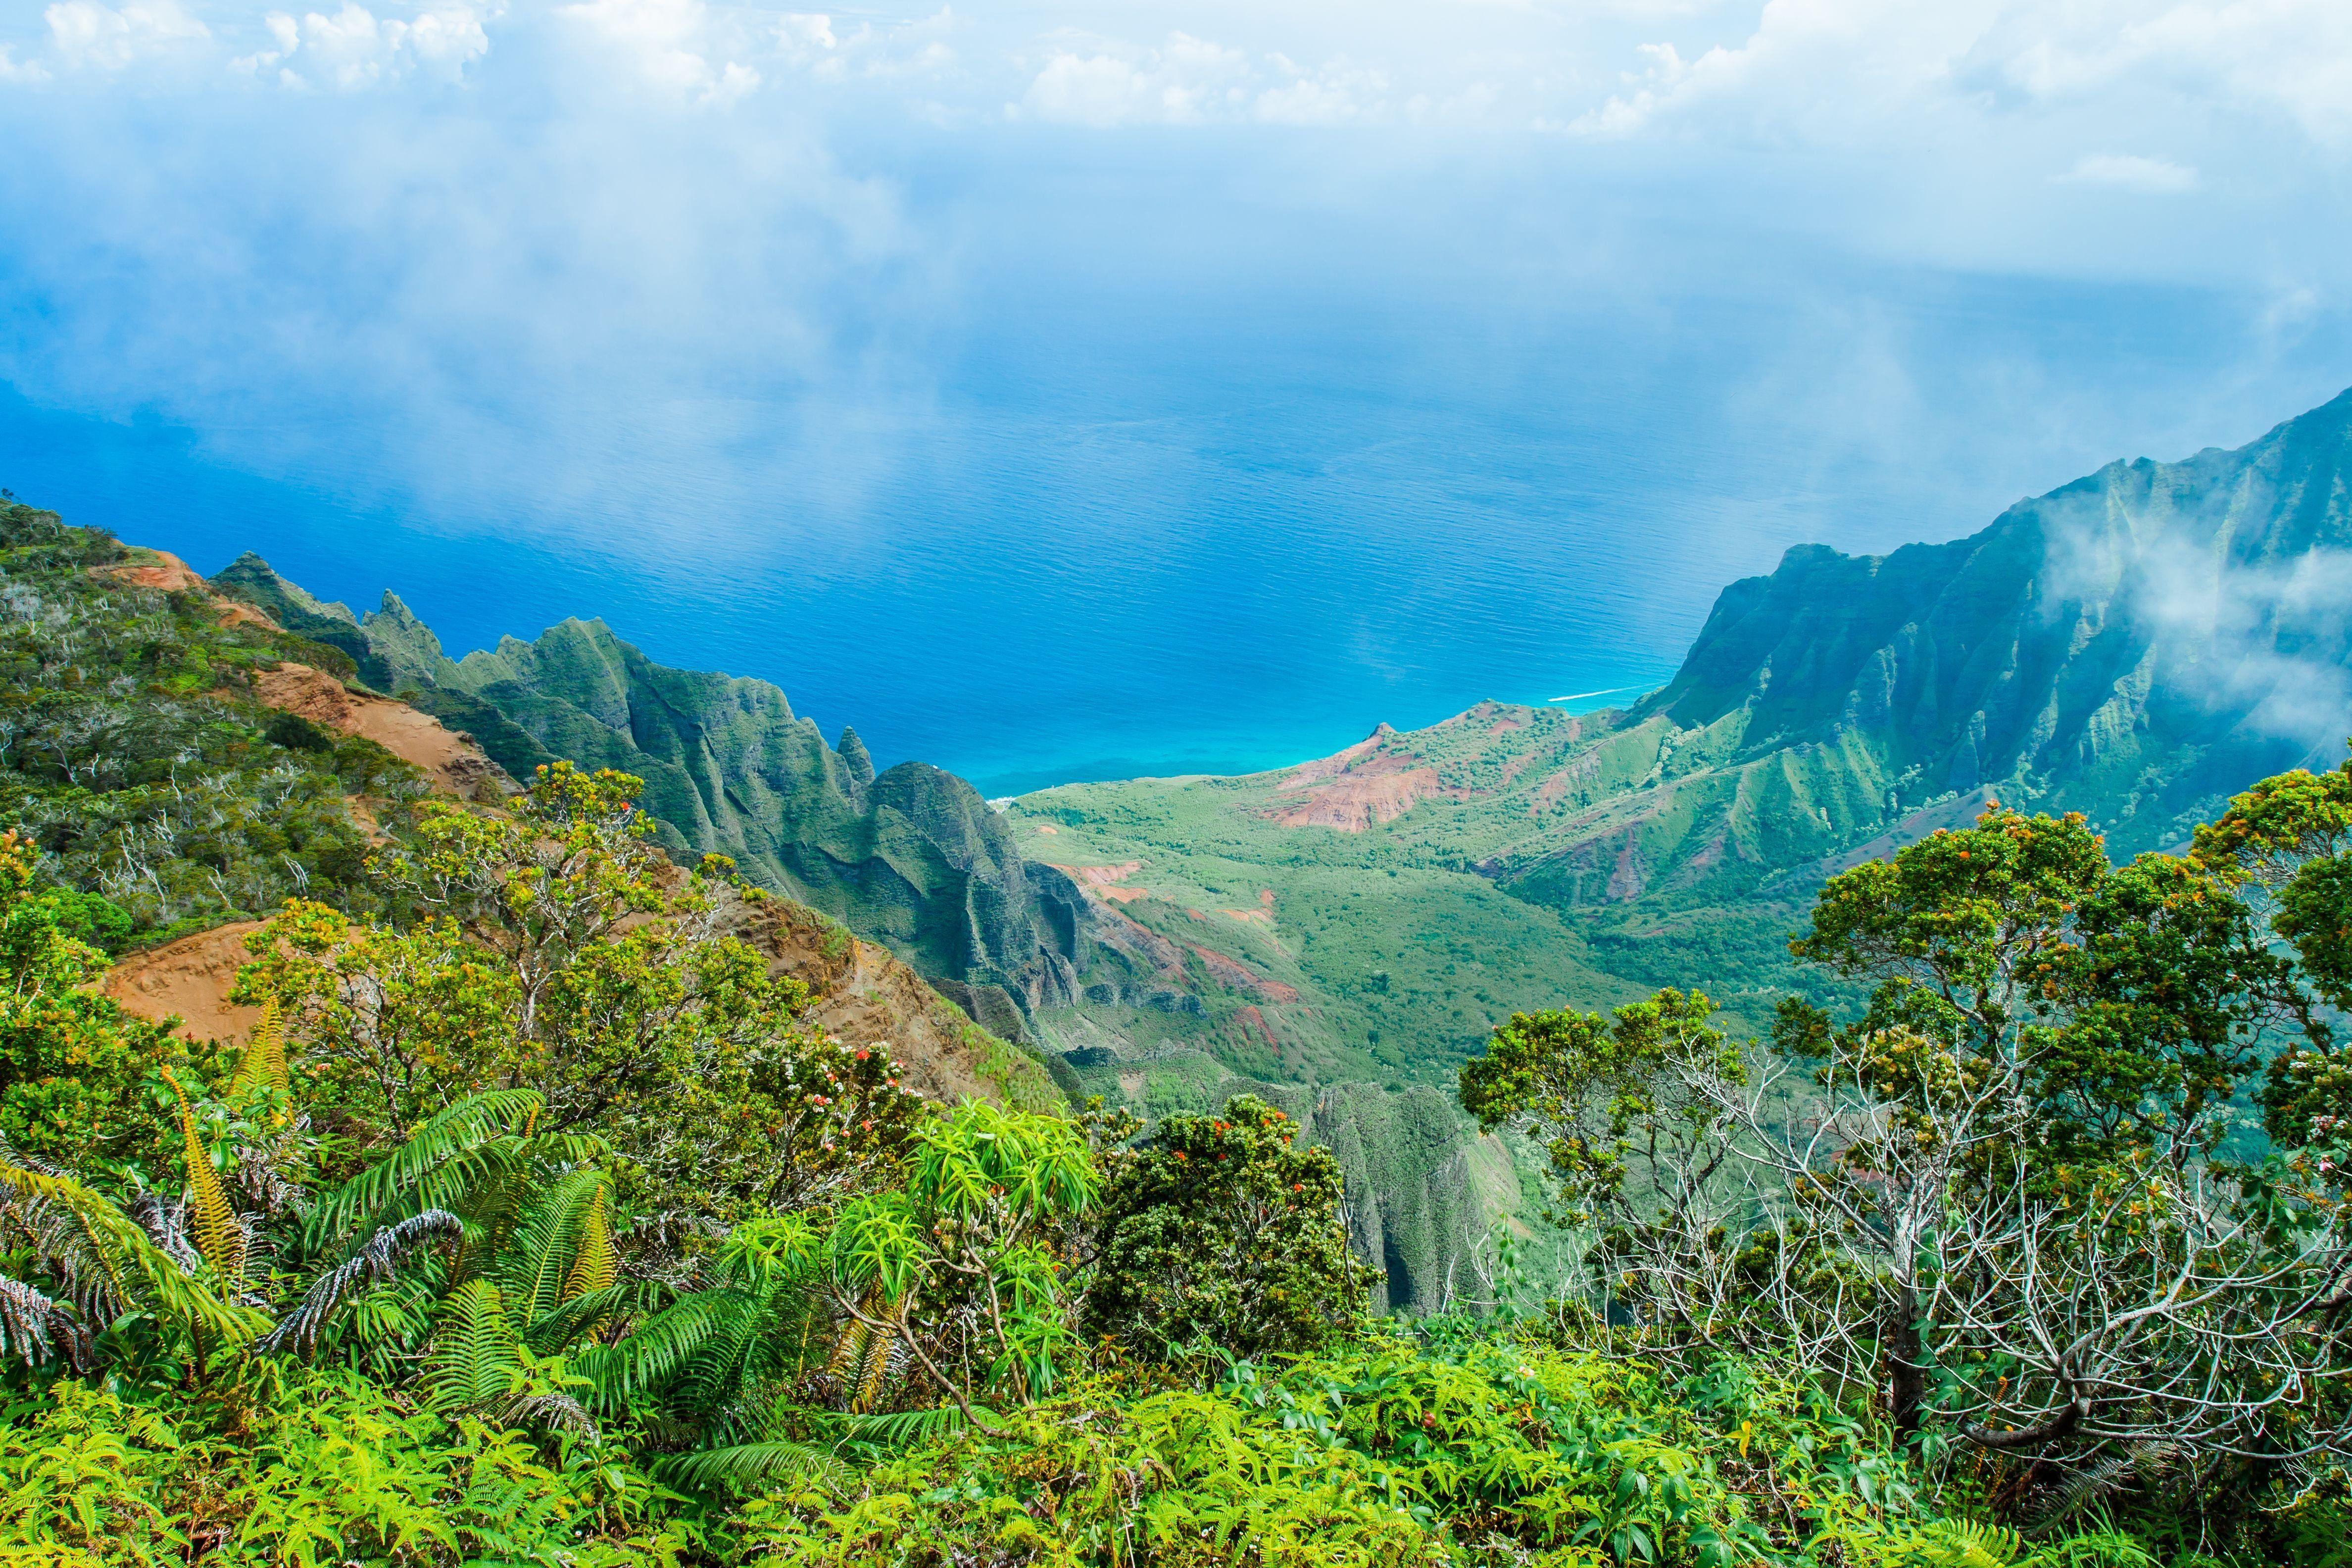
1109	541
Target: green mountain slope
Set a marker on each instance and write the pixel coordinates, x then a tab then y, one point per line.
1346	932
2135	645
913	858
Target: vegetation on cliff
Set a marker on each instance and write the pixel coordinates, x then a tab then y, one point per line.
2134	647
913	856
136	754
532	1225
537	1220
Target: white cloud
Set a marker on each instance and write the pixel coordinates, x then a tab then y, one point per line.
671	42
1854	70
807	30
88	35
1188	80
2131	173
2292	57
819	44
1339	94
1185	82
355	49
26	73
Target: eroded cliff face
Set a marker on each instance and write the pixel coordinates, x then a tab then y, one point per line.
861	994
913	858
2135	645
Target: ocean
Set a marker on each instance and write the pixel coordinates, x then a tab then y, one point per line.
1143	512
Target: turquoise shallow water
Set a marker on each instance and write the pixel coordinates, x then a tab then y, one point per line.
1126	527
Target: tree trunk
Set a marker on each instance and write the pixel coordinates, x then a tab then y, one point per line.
1906	1362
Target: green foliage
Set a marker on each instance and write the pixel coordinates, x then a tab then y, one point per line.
545	1233
134	755
73	1068
1606	1096
1467	1446
2137	992
1222	1235
324	1469
560	953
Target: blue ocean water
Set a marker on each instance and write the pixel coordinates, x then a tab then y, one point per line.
1168	517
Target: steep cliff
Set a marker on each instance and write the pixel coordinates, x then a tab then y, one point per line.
912	857
2135	645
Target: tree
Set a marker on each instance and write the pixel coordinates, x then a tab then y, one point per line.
2000	1193
1221	1231
74	1068
559	952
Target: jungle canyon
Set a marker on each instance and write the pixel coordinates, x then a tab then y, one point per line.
270	813
1341	934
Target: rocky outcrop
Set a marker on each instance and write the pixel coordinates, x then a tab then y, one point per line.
2135	646
912	857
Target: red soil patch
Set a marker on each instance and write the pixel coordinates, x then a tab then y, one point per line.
456	765
1129	936
1253	1021
1257	917
189	979
1549	793
1047	828
167	574
1102	881
1265	897
1628	876
1231	972
1366	783
308	693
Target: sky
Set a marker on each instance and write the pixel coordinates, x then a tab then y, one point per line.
602	301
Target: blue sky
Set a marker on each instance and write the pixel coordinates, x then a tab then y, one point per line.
658	289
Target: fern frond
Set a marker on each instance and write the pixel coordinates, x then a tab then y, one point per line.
660	1351
585	1314
263	1064
748	1465
906	1428
133	1271
475	1358
547	1239
211	1217
544	1409
166	1226
431	1168
34	1327
1958	1544
594	1262
2095	1482
861	1356
375	1261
